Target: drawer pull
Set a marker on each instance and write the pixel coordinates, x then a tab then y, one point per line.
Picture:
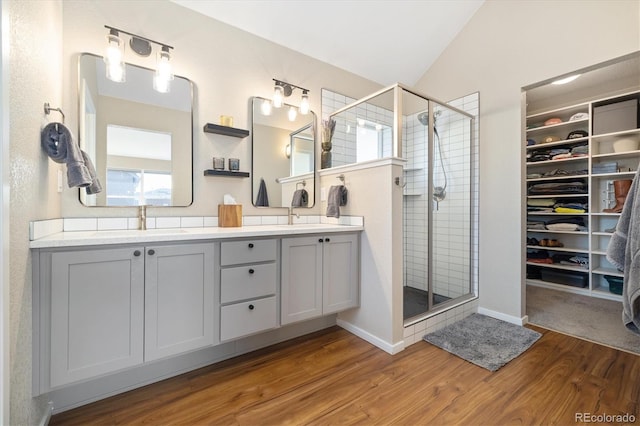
151	252
137	253
327	240
251	307
250	245
320	240
251	271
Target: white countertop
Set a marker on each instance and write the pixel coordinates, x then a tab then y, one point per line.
93	238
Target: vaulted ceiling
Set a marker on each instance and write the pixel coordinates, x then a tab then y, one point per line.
382	40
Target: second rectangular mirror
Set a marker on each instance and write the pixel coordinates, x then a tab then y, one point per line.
283	157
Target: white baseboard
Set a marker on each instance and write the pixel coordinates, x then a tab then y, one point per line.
503	317
46	417
374	340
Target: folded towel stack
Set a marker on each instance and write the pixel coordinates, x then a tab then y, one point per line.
58	143
337	197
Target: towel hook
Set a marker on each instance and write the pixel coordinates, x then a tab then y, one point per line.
48	109
341	177
303	183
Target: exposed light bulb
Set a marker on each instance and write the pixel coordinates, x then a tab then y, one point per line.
113	59
304	103
266	107
163	77
277	96
292	113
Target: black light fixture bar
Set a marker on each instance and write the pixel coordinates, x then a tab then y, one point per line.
284	83
136	35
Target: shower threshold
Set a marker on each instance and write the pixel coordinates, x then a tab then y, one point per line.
415	301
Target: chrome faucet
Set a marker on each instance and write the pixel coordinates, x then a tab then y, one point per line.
291	214
142	217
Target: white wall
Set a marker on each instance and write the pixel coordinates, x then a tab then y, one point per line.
505	46
35	76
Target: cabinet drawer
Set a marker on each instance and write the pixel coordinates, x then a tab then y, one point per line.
248	251
241	319
246	282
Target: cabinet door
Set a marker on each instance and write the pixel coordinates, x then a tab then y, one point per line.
301	280
179	300
97	299
340	276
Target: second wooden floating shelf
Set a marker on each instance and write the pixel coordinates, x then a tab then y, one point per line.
211	172
225	130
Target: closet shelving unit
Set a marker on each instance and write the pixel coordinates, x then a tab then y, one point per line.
593	242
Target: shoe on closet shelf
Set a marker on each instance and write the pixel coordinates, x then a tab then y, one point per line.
532	242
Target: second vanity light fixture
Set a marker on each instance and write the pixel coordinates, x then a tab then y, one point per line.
114	58
282	90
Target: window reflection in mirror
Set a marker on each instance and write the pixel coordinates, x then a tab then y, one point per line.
140	140
283	156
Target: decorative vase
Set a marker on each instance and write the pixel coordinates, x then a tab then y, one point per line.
325	156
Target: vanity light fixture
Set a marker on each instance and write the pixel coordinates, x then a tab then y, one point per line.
287	151
114	58
283	89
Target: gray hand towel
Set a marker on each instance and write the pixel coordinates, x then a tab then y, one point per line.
337	197
262	200
624	253
95	186
300	198
58	143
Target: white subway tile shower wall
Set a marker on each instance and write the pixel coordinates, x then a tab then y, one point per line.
343	149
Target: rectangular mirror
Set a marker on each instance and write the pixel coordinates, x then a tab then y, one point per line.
139	140
283	157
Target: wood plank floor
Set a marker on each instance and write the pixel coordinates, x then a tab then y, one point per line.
334	378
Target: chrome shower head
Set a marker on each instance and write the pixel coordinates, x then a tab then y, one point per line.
423	118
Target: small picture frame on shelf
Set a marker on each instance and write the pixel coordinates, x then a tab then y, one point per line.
234	164
218	163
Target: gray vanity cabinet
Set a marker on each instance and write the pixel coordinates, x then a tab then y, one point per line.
179	299
320	276
113	308
96	316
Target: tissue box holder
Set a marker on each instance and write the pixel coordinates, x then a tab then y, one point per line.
229	215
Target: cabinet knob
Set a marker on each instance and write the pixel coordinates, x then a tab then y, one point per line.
327	240
251	307
136	253
250	245
251	271
320	240
151	252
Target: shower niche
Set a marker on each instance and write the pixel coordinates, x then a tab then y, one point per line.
439	207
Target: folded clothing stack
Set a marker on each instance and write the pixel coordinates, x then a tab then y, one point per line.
561	187
570	223
601	168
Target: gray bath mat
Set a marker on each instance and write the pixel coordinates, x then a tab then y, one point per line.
484	341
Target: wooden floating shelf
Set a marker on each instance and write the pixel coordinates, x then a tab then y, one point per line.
211	172
225	130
